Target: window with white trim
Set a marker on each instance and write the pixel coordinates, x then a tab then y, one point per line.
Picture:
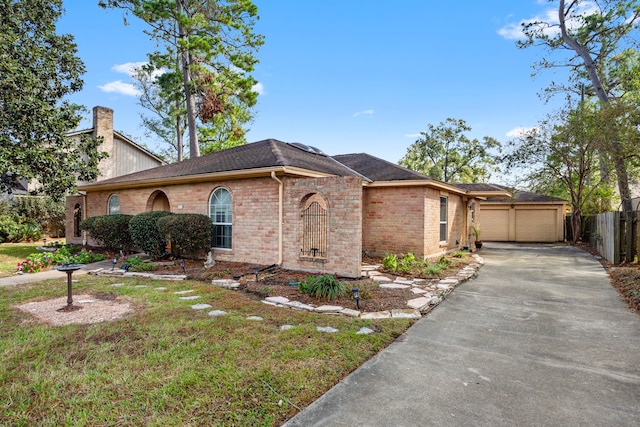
220	214
443	219
114	204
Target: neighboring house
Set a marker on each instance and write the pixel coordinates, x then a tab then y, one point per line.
288	204
521	217
124	157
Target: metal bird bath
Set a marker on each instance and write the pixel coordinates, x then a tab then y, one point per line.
69	269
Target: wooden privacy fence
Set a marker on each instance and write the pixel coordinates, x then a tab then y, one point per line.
614	235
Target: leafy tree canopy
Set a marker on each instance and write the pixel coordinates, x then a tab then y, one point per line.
446	153
38	68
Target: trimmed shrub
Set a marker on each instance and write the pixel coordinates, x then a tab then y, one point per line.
111	231
190	234
16	229
146	234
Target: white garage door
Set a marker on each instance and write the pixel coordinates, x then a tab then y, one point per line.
495	225
536	225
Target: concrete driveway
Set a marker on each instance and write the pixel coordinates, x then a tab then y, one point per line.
539	338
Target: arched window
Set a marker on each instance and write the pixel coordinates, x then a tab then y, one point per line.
220	214
77	217
114	204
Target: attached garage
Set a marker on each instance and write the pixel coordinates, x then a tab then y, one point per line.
522	223
524	217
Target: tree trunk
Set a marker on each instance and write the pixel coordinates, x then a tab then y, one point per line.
194	148
590	65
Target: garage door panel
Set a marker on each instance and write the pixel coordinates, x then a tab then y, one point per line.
536	225
495	225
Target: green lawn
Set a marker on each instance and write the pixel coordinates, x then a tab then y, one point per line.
168	364
13	253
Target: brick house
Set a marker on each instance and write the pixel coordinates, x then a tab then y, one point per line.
289	204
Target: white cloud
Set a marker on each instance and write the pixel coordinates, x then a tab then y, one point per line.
519	132
128	68
259	87
363	113
549	16
119	87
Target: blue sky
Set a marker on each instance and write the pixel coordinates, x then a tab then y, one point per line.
350	76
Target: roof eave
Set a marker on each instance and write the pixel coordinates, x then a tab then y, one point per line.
214	176
418	183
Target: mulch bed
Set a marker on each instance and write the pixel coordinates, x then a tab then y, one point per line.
277	283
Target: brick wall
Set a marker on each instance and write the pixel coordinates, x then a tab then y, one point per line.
407	219
343	196
255	217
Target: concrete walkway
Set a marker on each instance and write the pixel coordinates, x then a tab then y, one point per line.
539	338
18	279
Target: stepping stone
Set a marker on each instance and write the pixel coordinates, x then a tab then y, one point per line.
215	313
271	303
418	303
405	314
161	288
419	291
140	286
200	306
296	305
286	327
394	285
326	329
443	286
403	281
226	283
381	279
169	277
376	315
191	297
184	292
374	273
254	318
277	300
116	285
349	312
329	309
365	331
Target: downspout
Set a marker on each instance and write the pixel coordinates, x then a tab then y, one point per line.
280	213
84	216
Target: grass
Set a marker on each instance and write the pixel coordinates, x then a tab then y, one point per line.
13	253
167	364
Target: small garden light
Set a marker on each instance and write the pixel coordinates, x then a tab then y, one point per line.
256	270
181	264
356	296
115	261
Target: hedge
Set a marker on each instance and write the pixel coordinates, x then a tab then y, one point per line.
146	234
111	231
190	234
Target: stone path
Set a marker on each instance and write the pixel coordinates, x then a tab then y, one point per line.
429	293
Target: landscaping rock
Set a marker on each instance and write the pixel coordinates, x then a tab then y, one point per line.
277	300
258	318
191	297
405	314
200	306
326	329
418	303
328	309
376	315
216	313
365	331
349	312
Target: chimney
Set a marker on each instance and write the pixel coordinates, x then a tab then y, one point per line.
103	127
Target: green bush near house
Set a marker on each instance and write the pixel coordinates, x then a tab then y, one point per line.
146	234
112	231
190	234
323	286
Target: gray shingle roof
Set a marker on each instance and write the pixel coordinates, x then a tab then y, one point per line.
377	169
261	154
519	196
